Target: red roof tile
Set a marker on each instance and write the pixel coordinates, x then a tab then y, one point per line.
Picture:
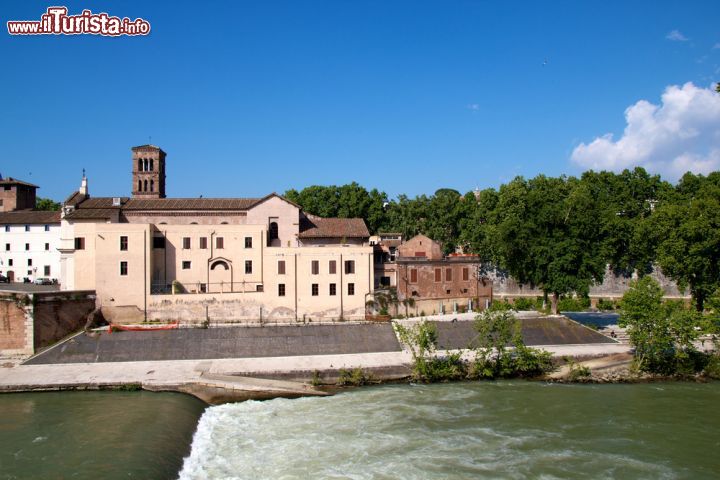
29	217
317	227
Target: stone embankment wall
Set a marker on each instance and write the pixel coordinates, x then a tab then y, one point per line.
613	286
236	308
30	321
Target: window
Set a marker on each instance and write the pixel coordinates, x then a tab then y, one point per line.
7	187
281	289
139	185
203	288
46	270
47	246
248	242
27	228
351	289
203	243
259	288
123	268
123	243
152	185
7	247
152	164
186	243
332	267
27	246
140	165
248	267
29	262
448	274
438	275
186	264
219	242
333	289
47	228
273	231
281	267
10	262
158	242
315	289
315	267
413	275
466	274
79	243
7	228
349	266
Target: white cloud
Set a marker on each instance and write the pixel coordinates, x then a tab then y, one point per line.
716	46
676	36
679	135
473	106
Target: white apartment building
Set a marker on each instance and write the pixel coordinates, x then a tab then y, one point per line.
29	242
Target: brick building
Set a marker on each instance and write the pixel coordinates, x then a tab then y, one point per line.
439	283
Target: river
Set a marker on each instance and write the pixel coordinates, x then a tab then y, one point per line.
512	429
95	435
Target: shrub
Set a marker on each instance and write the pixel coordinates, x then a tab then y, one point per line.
712	367
316	380
442	369
498	306
355	377
524	303
577	371
603	304
573	304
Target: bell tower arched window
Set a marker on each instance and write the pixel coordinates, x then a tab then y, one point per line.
152	165
145	185
139	165
152	185
139	186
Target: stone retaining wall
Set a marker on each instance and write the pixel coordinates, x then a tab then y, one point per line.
33	320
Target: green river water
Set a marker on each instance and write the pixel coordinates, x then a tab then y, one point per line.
462	430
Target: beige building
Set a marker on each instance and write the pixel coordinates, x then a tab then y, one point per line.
233	259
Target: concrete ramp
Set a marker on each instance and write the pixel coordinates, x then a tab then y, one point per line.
536	331
228	342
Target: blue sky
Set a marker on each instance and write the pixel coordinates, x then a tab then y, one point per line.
407	97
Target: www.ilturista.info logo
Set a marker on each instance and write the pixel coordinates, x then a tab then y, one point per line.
56	21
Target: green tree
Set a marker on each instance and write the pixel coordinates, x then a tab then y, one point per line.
547	235
46	204
498	330
662	335
689	250
625	202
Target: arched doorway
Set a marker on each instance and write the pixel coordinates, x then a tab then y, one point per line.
220	276
11	276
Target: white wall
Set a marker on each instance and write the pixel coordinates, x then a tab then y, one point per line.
39	253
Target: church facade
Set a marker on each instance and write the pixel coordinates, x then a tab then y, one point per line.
211	259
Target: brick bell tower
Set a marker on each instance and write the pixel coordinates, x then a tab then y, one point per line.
148	172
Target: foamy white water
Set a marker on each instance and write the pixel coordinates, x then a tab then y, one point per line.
481	430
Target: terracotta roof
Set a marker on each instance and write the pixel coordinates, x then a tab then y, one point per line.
29	217
189	203
317	227
15	181
74	198
91	213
